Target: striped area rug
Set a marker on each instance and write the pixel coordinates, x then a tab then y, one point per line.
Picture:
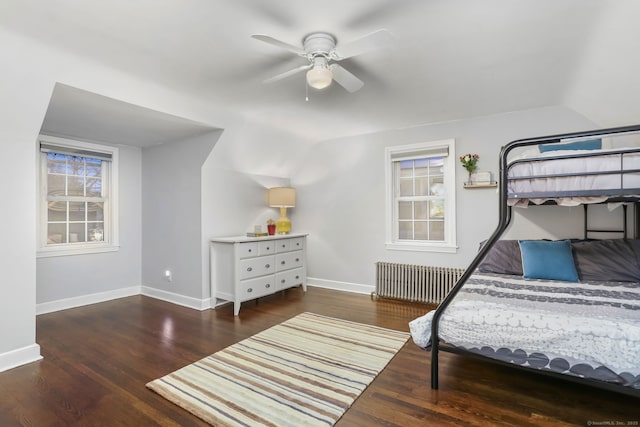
306	371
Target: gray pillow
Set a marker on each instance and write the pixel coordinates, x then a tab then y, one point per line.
596	260
503	258
609	260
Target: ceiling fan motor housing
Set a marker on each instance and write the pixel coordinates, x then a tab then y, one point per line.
319	44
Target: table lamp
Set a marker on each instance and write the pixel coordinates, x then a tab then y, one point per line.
283	198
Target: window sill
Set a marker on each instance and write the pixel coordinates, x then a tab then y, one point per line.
417	247
76	250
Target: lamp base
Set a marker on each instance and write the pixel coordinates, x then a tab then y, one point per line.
283	224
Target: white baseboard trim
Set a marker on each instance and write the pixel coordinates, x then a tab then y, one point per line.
63	304
185	301
18	357
340	286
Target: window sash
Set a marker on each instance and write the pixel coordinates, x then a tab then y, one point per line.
433	229
90	226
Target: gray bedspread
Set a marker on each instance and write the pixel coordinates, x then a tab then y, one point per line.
583	329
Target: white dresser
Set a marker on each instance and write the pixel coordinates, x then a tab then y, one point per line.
245	268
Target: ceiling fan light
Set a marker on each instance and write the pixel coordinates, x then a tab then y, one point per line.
319	77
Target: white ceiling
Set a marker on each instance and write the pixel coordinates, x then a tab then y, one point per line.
451	59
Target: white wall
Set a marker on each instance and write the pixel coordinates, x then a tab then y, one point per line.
67	281
246	161
23	104
211	185
171	212
25	89
341	187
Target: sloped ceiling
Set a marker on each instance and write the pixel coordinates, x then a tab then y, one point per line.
451	59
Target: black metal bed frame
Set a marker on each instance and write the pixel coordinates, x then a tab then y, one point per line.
505	215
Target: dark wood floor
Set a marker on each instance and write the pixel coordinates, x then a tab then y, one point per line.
98	358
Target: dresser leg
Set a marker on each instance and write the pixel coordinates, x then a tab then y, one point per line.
236	308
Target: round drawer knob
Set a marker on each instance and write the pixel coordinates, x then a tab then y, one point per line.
249	268
267	285
297	259
282	262
249	250
250	290
268	247
267	266
282	281
297	277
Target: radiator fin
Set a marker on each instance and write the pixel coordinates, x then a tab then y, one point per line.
417	283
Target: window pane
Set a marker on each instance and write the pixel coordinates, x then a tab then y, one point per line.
420	229
435	163
436	209
75	166
77	211
405	230
57	211
75	186
93	167
404	210
95	211
420	210
76	233
94	187
438	189
421	167
55	185
436	230
56	163
57	233
421	187
406	187
96	231
406	168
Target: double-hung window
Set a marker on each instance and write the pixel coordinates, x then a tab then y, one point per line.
421	196
77	197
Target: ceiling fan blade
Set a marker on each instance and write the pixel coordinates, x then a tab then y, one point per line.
278	43
346	79
287	74
375	40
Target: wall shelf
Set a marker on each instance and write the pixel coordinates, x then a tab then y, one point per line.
492	184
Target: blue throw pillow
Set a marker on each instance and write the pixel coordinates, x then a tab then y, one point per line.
543	259
591	144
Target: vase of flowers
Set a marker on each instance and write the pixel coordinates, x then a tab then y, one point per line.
470	163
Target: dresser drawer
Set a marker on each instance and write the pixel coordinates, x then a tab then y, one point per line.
283	245
254	267
256	288
289	278
296	244
267	248
288	260
247	250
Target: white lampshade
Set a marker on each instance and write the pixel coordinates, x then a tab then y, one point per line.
319	77
281	197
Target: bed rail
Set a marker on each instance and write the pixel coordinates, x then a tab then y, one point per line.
505	215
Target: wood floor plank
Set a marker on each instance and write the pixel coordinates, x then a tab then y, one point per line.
98	358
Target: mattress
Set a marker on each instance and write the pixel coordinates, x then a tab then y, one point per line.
589	330
574	182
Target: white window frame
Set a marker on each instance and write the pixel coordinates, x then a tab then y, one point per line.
111	239
392	154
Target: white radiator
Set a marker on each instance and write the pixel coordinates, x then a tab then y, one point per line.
418	283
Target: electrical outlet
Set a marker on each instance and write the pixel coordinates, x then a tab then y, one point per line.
168	276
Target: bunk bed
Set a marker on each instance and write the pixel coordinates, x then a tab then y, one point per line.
565	308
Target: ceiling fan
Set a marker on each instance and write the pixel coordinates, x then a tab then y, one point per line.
323	52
